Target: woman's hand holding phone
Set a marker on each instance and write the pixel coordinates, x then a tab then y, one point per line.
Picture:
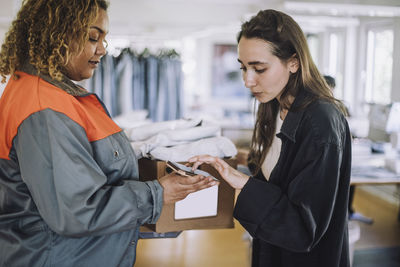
177	185
235	178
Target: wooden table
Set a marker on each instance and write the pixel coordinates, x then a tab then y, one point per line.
369	168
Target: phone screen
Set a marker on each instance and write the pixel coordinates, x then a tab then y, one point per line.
187	171
181	169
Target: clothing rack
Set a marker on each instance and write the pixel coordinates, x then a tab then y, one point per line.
134	80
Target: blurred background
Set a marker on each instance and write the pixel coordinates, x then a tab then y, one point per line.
173	59
355	41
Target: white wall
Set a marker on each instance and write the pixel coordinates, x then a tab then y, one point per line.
2	86
396	62
350	66
7	11
199	81
2	33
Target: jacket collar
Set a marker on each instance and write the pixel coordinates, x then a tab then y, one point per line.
294	116
65	84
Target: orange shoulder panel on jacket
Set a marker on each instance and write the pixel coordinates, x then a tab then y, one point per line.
30	94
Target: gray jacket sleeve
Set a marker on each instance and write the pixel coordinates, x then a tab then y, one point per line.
68	186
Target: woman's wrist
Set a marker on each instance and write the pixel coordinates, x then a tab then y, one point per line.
242	181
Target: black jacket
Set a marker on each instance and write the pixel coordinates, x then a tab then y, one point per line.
299	217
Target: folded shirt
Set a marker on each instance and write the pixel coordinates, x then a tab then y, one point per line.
144	132
132	119
172	138
219	146
178	140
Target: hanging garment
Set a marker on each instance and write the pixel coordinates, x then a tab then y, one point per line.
151	85
124	73
110	92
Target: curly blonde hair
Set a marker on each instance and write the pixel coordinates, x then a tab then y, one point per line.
44	31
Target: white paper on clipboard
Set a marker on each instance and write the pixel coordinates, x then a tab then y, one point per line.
203	203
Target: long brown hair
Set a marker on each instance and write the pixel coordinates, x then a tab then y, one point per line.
43	32
287	40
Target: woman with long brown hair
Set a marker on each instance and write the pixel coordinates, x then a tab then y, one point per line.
295	203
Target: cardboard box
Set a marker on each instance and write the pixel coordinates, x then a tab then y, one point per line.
154	169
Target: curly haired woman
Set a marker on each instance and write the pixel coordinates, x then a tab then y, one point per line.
295	204
69	189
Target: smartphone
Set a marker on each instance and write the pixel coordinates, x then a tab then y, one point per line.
187	171
180	169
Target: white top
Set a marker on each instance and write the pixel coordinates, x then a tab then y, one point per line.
273	154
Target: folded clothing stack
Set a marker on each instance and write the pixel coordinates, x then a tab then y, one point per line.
178	140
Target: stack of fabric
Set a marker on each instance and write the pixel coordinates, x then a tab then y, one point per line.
178	140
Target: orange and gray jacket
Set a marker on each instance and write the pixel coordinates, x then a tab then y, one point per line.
69	189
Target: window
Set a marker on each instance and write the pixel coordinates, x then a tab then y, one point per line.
226	75
379	66
335	63
313	44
